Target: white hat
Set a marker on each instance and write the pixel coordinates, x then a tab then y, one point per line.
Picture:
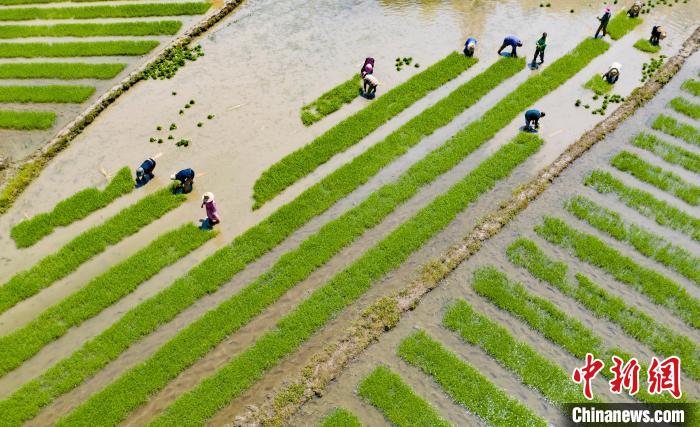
172	176
208	196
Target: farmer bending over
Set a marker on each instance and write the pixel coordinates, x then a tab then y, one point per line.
613	73
470	47
633	12
367	68
514	43
532	117
604	19
370	85
185	180
657	33
145	172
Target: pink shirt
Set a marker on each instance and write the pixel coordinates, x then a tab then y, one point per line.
212	212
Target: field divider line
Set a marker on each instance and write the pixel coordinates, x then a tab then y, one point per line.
104	11
384	314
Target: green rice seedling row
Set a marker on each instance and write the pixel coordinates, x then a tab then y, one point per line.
648	244
86	245
669	152
622	24
353	129
657	287
331	101
656	176
26	120
386	391
528	365
304	161
645	203
45	94
340	417
463	383
634	322
145	28
61	71
691	86
92	12
685	106
324	304
78	206
77	49
100	293
598	85
673	127
645	46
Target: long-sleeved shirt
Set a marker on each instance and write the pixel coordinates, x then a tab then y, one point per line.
470	40
512	41
605	18
185	174
541	43
148	165
533	115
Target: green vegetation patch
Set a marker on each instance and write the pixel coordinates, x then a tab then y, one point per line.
691	86
60	50
647	243
645	203
533	369
45	94
88	244
58	70
340	417
92	12
658	288
622	24
331	101
463	383
74	208
174	58
645	46
26	120
675	128
598	85
656	176
634	322
387	392
684	106
98	294
143	28
669	152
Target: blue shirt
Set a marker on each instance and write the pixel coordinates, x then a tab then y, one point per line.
533	114
470	40
148	165
185	174
512	41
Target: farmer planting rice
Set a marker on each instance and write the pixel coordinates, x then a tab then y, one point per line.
367	67
144	173
532	120
514	43
369	86
210	205
634	10
613	73
539	49
470	47
657	34
185	179
604	20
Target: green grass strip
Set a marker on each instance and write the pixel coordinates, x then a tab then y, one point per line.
88	244
675	128
45	94
657	176
645	46
691	86
61	50
143	28
324	304
100	293
531	368
387	392
74	208
331	101
91	12
26	120
622	24
669	152
340	417
598	85
646	204
62	71
465	384
634	322
684	106
648	244
657	287
353	129
555	325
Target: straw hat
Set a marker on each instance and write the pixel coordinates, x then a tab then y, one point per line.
207	196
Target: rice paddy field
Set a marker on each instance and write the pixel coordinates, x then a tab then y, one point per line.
118	306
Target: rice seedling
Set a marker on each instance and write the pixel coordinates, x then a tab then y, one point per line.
673	127
463	383
174	59
26	120
691	86
646	204
61	71
645	46
650	68
387	392
331	101
533	369
669	152
684	106
80	205
85	246
656	176
634	322
647	243
45	94
100	293
142	28
598	85
658	288
77	49
92	12
340	417
622	24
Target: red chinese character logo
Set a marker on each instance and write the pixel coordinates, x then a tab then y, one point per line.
587	373
626	376
665	376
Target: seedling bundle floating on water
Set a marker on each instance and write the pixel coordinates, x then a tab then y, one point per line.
176	57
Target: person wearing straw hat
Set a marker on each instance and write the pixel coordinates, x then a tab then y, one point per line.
210	205
185	180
